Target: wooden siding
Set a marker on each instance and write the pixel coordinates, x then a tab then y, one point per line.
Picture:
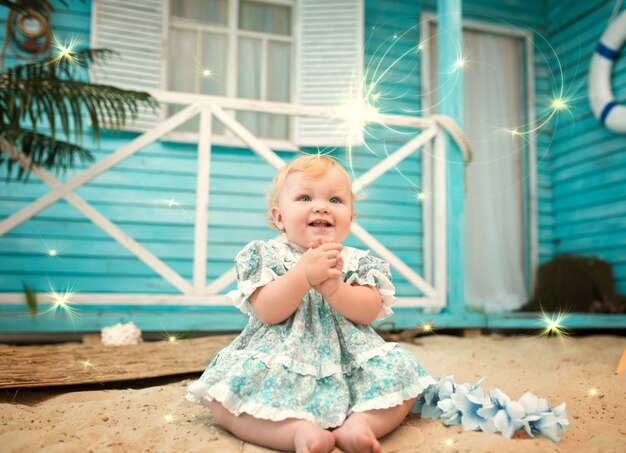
584	159
527	15
134	195
589	164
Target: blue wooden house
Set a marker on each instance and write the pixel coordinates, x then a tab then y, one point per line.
148	232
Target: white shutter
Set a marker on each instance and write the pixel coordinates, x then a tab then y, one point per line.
329	66
136	31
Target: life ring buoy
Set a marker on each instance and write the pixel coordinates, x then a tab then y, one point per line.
605	108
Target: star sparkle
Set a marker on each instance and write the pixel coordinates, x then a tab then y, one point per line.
61	301
552	325
66	50
86	364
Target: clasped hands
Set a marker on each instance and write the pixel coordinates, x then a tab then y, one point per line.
322	264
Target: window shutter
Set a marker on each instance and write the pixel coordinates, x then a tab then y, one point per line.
136	31
329	43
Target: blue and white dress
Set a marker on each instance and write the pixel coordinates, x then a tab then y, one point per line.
319	366
316	365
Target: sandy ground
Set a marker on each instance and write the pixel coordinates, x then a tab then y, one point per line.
154	416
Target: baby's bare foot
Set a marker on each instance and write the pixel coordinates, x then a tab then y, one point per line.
356	437
310	438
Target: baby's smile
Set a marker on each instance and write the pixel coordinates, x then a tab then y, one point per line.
314	208
320	223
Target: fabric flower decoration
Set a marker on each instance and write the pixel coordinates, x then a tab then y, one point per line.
467	405
428	403
502	414
540	418
468	400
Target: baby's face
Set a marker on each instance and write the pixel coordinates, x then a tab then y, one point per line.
309	209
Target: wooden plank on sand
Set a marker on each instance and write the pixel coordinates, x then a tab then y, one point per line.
69	364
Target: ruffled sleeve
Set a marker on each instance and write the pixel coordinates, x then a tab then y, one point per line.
256	265
365	269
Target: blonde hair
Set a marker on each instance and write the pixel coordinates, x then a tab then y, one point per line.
312	166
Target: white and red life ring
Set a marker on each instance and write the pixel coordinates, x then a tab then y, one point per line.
606	109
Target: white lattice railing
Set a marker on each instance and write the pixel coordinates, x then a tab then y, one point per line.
199	292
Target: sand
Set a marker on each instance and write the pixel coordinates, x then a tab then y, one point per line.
154	416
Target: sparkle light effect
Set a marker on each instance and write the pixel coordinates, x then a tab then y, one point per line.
170	338
86	364
61	302
173	203
66	50
559	104
449	442
51	251
366	96
381	91
460	63
169	418
355	114
553	326
592	392
428	327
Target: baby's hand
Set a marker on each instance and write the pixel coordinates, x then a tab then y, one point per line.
330	285
320	262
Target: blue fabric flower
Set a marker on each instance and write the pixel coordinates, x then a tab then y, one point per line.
501	414
540	418
468	400
427	404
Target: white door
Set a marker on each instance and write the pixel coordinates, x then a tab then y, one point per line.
493	115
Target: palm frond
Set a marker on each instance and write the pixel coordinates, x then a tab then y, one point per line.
47	90
41	149
53	94
31	298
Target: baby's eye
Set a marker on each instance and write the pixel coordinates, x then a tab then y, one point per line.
304	198
335	200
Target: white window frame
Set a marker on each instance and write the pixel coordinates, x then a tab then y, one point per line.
317	29
233	33
532	237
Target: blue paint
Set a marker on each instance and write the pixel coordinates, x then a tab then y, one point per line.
589	176
169	319
580	178
606	110
607	52
449	51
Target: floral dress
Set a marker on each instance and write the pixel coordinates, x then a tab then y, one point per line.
316	365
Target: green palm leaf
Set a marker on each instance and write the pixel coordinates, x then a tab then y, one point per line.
42	150
52	95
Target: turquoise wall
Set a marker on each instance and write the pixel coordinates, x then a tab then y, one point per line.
589	163
134	194
384	19
573	154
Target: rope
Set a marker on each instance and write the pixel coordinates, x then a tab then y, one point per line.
457	135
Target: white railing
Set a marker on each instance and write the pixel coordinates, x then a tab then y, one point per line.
199	292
